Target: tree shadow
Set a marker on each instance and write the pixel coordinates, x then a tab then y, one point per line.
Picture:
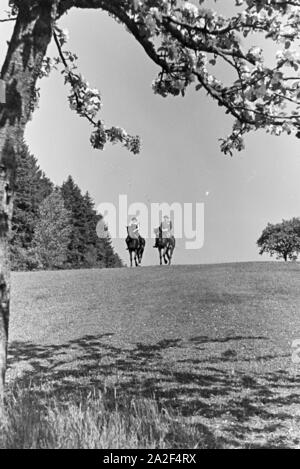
247	406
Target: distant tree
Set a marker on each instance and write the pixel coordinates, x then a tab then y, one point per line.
282	239
32	187
85	249
91	239
74	202
52	233
107	254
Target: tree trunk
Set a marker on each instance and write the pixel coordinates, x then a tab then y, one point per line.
20	71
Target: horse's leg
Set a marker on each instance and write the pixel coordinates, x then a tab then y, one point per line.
166	255
169	255
139	256
136	259
130	253
173	247
160	256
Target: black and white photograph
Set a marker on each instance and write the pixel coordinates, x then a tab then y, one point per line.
149	227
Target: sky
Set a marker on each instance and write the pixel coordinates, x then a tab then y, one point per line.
180	159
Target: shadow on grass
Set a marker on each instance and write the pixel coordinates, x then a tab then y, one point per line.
208	388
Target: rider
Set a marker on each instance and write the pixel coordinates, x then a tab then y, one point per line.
164	230
133	229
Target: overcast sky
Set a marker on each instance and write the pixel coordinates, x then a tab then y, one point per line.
180	159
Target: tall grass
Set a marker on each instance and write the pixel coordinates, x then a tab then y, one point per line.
96	420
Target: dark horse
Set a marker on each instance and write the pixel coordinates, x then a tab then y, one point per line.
166	247
136	246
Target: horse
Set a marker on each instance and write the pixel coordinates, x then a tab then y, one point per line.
136	246
166	247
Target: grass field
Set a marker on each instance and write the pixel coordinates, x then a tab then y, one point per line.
209	345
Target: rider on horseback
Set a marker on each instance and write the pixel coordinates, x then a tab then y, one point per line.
133	230
135	242
164	231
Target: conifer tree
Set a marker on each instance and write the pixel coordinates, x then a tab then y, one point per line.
32	187
74	202
91	238
52	233
85	248
98	252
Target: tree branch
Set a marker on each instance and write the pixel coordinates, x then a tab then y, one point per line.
4	20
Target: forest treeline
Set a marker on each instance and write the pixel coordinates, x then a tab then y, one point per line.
54	227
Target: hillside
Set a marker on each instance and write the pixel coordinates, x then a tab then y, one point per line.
212	341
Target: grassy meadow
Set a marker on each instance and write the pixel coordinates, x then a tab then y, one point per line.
155	357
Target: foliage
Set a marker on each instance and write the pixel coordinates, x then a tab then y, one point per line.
74	203
87	101
196	45
85	249
32	187
31	218
282	239
52	232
